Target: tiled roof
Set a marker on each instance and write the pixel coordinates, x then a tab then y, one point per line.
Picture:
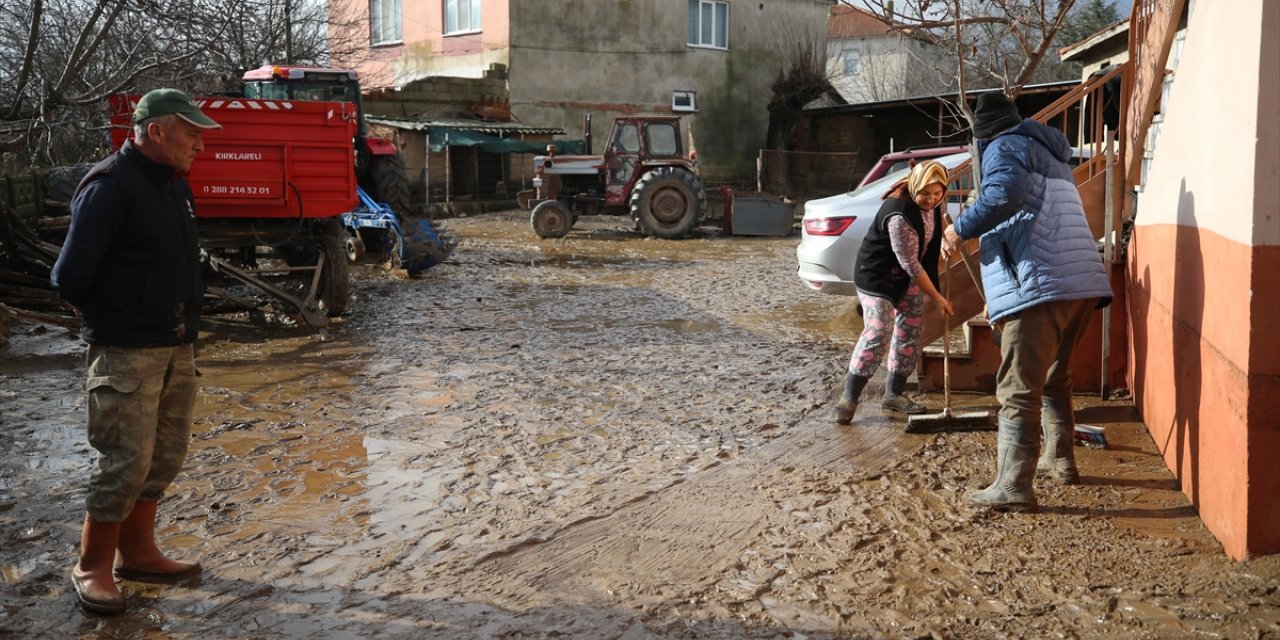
850	22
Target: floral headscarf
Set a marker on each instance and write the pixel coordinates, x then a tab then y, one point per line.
925	174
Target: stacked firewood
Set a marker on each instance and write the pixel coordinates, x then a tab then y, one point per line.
25	263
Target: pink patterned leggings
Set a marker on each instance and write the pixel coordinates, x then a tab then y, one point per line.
880	319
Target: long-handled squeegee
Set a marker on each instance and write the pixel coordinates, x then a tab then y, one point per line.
948	420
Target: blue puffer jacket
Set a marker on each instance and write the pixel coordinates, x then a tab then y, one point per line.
1036	243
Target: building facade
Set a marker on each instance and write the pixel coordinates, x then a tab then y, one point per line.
714	60
869	62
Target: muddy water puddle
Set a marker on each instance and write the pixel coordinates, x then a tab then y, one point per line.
602	436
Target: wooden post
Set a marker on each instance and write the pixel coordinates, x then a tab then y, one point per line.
759	171
1108	234
448	171
426	169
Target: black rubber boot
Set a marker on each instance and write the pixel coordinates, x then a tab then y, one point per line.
895	395
853	386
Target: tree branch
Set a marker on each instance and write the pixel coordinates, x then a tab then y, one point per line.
28	57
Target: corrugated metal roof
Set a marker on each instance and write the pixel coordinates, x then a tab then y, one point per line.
1046	87
1078	49
491	128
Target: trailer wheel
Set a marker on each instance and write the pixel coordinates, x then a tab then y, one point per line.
391	183
335	277
354	246
551	219
668	202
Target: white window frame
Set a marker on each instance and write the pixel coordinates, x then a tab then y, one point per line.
384	29
857	62
709	36
461	16
684	101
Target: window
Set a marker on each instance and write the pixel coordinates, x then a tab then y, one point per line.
461	16
384	22
628	138
684	101
662	139
851	60
709	23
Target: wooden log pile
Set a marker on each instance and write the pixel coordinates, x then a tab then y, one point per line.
26	261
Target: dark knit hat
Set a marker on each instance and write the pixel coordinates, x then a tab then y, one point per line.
994	114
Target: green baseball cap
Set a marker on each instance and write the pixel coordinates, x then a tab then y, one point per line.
162	102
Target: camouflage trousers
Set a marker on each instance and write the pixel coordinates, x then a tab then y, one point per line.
141	402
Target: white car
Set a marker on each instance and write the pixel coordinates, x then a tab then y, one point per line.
833	228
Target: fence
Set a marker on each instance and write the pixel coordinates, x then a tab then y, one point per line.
23	195
806	174
470	174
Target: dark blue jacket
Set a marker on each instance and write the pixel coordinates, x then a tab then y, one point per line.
131	262
1036	243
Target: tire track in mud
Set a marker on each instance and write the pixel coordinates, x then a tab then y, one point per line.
687	533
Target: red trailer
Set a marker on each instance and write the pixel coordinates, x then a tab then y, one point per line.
272	183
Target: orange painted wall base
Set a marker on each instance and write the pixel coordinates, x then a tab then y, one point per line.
1197	306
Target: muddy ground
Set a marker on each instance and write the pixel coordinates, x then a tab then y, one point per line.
599	437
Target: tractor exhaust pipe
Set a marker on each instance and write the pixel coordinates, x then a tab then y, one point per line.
586	134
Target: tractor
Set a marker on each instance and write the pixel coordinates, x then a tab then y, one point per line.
643	172
379	169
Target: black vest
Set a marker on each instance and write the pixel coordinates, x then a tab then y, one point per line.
878	271
147	290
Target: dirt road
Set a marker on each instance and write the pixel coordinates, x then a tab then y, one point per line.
602	437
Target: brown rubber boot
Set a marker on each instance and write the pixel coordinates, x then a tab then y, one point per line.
139	558
848	404
95	587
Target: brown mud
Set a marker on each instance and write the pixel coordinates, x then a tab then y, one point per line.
597	437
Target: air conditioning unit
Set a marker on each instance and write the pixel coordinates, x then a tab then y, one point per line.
686	101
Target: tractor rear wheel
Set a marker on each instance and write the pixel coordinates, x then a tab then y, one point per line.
551	219
61	182
668	202
391	183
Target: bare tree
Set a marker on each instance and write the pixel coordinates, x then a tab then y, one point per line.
296	32
997	42
61	59
801	78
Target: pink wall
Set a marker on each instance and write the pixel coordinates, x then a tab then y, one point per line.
425	51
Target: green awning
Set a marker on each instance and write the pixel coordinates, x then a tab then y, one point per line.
441	137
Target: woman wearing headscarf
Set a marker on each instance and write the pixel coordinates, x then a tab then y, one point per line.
897	266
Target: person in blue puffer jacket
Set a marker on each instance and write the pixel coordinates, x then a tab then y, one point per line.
1043	279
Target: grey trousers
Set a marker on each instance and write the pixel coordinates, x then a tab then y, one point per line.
141	402
1035	363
